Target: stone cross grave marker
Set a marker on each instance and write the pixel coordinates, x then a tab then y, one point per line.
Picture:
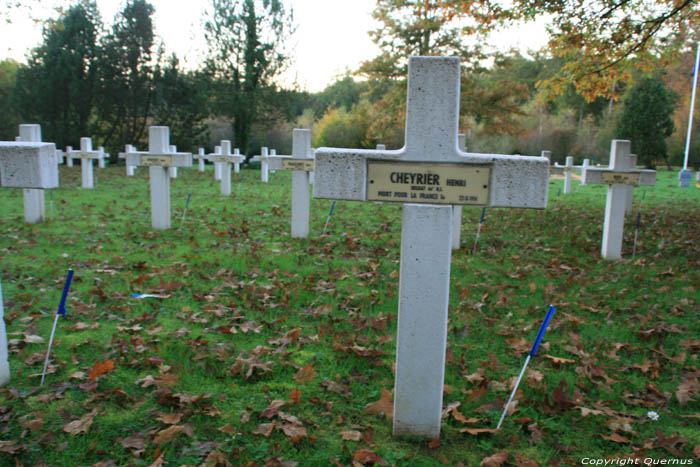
68	155
217	166
429	174
122	155
547	154
301	163
225	158
618	176
584	166
158	159
31	165
86	156
566	169
102	161
457	214
172	171
264	167
201	157
238	160
629	189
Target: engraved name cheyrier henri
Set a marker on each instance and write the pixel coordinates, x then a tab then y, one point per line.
412	178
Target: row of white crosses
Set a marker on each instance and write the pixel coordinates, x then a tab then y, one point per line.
86	156
621	177
301	163
264	167
567	169
222	159
430	174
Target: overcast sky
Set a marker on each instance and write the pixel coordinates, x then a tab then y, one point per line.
331	35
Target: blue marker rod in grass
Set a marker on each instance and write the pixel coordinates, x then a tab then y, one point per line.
533	352
329	217
478	229
61	311
636	231
184	213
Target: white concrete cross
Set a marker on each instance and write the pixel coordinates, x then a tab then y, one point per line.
60	156
301	163
457	210
159	159
122	155
224	158
172	171
547	154
238	160
217	166
629	190
430	170
69	157
101	162
586	164
86	156
4	362
32	165
264	167
201	157
618	176
566	170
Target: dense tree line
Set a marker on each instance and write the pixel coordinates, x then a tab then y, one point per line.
111	83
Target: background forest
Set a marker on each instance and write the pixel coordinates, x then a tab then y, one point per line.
610	70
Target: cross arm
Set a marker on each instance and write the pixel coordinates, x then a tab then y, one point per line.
167	159
28	165
513	181
640	177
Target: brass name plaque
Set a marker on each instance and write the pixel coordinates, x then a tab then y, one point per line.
428	183
223	159
85	155
620	178
158	160
304	165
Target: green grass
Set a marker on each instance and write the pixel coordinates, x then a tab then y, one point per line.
628	330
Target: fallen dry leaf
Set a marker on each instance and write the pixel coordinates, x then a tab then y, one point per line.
228	429
496	460
170	418
100	369
81	425
305	374
384	406
135	441
367	457
273	408
616	438
264	429
295	396
167	435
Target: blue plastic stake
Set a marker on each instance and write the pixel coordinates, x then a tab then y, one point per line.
60	312
329	218
636	231
533	352
478	230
